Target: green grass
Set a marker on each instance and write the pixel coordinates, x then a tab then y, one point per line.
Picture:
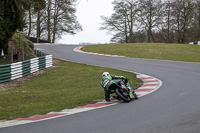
67	86
161	51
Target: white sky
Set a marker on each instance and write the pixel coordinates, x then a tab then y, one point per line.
88	14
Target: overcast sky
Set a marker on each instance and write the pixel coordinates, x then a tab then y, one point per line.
88	13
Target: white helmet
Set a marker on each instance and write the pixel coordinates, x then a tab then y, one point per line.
105	74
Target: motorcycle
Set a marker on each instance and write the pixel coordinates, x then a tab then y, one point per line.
123	93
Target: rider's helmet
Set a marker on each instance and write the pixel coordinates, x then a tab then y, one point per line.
105	74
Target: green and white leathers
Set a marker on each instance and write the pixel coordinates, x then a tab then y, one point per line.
107	80
111	82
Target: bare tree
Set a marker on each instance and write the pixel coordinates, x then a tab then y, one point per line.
195	30
150	16
121	23
58	17
49	24
64	18
182	17
167	20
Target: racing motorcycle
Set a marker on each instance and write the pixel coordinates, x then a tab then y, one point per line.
123	93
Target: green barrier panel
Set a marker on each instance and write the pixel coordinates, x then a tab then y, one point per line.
42	67
5	73
5	77
6	80
26	65
4	67
42	62
26	69
26	72
7	65
42	58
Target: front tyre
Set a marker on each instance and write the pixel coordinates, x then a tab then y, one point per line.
135	96
123	95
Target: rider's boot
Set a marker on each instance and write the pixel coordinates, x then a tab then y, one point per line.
107	95
115	97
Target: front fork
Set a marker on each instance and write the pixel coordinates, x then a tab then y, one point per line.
132	92
129	87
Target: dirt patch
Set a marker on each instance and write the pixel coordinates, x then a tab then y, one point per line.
13	83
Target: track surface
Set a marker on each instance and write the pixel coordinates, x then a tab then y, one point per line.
174	108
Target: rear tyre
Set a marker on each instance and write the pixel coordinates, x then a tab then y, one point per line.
123	95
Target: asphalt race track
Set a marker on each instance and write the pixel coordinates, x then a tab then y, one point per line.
174	108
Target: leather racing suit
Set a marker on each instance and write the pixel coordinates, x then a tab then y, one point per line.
106	83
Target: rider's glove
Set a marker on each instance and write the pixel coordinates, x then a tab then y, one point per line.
124	79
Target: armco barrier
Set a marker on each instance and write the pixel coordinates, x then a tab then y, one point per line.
195	43
24	68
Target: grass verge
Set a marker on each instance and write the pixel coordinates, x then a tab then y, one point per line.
65	86
161	51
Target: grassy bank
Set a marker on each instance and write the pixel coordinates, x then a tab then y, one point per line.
65	86
21	43
161	51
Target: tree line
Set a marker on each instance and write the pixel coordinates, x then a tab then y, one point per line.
44	19
167	21
49	23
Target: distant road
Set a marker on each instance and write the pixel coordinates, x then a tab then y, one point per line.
174	108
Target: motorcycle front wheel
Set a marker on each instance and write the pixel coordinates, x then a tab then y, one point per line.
123	95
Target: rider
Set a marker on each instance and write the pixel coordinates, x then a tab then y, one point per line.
106	83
